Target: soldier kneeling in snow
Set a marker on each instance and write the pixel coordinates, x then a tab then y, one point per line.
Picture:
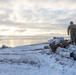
59	42
60	46
52	45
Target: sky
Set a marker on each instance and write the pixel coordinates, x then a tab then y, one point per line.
36	17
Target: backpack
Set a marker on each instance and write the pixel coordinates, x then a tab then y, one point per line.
73	29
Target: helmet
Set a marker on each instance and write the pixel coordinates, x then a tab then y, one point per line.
71	22
51	41
61	38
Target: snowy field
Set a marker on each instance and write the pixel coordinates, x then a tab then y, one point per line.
35	60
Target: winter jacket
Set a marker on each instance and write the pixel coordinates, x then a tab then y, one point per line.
72	29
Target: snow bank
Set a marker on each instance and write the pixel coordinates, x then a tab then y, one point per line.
36	60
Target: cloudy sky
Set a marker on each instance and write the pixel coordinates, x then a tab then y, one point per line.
35	17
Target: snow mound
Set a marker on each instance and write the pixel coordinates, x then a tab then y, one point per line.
36	60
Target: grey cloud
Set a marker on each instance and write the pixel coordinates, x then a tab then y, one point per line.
36	25
20	30
9	22
71	1
42	15
37	0
5	3
3	16
44	0
4	0
28	14
4	30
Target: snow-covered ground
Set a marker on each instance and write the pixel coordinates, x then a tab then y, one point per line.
35	60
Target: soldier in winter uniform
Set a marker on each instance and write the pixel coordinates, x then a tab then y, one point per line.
72	31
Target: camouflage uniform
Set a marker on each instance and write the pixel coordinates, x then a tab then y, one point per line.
72	29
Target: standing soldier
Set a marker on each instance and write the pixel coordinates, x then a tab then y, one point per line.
72	29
